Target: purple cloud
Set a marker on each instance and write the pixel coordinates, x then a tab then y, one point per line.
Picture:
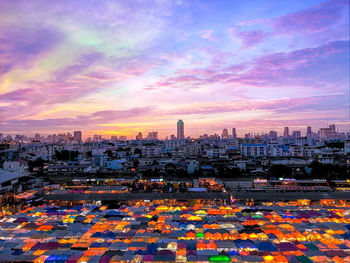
321	23
208	34
314	67
293	105
84	62
83	77
315	18
100	117
20	47
248	38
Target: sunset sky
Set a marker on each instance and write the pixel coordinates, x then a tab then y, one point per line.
120	67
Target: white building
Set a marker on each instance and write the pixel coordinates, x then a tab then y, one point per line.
216	153
347	146
173	144
192	166
150	151
254	150
16	166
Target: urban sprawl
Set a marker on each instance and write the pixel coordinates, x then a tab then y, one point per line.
261	198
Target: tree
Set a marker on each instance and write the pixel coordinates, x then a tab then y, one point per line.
138	151
170	168
136	163
109	153
280	170
38	163
337	144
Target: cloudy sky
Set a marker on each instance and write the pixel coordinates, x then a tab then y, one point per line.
119	67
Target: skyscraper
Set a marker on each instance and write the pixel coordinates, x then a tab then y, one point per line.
224	134
152	135
286	132
234	133
77	135
273	135
308	131
180	130
139	136
296	134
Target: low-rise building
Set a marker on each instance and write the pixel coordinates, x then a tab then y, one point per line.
254	150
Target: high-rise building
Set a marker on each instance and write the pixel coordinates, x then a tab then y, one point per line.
224	134
139	136
328	133
273	135
286	132
78	136
123	138
234	133
296	134
97	138
152	135
308	131
180	130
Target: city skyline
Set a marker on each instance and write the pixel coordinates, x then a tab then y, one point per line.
120	67
153	135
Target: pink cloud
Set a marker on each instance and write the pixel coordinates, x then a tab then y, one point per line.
20	47
315	18
100	117
248	38
83	77
314	67
292	105
208	34
330	19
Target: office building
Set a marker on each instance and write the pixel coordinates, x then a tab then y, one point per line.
139	136
224	134
152	135
273	135
328	133
77	136
296	134
234	133
180	130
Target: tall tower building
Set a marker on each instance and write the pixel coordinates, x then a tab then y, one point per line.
308	131
152	135
180	130
296	134
273	135
224	134
234	133
77	135
286	132
139	136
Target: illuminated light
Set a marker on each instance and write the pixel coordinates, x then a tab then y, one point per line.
219	258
